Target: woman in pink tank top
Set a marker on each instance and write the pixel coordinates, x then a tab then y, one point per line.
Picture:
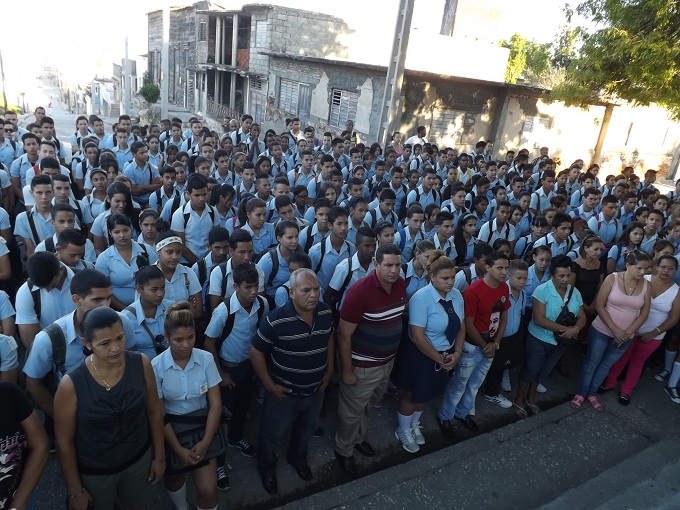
622	306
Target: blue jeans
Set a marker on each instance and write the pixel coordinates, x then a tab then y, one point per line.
603	352
461	389
539	359
277	417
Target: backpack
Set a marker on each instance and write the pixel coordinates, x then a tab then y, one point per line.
229	323
49	245
202	271
58	341
187	215
467	272
373	213
436	196
402	237
275	262
159	199
323	254
491	232
404	268
570	243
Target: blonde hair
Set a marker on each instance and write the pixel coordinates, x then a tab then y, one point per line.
178	315
438	261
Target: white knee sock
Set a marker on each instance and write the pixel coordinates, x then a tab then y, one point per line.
675	376
179	498
668	359
404	422
415	417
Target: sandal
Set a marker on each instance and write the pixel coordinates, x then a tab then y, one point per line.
533	408
595	403
521	412
577	402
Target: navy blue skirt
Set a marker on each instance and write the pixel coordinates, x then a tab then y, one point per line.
414	372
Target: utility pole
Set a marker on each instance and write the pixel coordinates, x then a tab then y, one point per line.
165	63
128	84
449	18
2	72
395	71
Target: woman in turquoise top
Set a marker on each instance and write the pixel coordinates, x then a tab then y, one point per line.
437	333
122	259
542	350
188	381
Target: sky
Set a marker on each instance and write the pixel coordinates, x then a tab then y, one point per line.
87	37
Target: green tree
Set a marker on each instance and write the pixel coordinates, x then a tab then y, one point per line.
633	55
528	60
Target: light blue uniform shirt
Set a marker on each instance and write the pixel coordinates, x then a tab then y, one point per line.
547	294
215	285
142	176
184	284
53	304
312	230
43	226
282	274
340	274
532	283
236	346
9	153
9	359
122	156
144	342
264	239
40	360
185	390
331	258
122	275
6	308
197	227
413	282
550	241
515	312
425	311
605	230
407	243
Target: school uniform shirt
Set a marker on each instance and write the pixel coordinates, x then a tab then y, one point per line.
515	313
142	176
9	151
280	168
20	166
647	244
532	283
90	255
235	347
43	226
313	185
144	343
239	136
185	390
9	359
341	271
580	213
352	230
297	177
324	267
95	206
607	230
413	282
196	228
184	283
550	241
312	230
425	311
282	275
98	227
122	275
461	283
123	157
40	361
241	190
262	240
159	198
489	232
447	247
209	266
422	197
215	285
6	308
540	201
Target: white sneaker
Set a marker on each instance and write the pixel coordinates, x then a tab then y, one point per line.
661	376
540	388
499	400
407	440
417	434
505	383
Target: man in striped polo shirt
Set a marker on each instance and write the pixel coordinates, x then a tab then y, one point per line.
297	341
368	338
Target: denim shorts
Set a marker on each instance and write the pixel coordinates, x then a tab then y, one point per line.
539	359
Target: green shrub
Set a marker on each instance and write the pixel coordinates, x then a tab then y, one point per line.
150	92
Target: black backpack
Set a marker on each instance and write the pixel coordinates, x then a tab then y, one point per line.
58	341
231	318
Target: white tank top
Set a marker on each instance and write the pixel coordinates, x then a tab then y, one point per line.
660	308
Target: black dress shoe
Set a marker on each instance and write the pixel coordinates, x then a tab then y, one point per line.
319	432
446	428
365	449
304	472
624	400
469	423
603	389
348	464
270	484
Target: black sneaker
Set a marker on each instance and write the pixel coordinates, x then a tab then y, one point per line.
222	479
319	432
246	448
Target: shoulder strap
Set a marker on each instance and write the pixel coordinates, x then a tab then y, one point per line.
175	205
58	341
347	279
402	237
49	245
34	231
275	266
132	310
35	294
223	269
309	242
323	254
571	291
202	271
468	275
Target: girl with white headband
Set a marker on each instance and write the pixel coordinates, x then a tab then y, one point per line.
181	283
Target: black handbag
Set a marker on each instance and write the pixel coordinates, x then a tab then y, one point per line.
190	429
566	318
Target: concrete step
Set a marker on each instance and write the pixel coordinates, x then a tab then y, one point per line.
647	479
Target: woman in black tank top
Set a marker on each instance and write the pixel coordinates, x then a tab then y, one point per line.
108	421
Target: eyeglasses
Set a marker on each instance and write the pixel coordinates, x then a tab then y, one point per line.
9	131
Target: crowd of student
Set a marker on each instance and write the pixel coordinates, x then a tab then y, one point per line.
175	276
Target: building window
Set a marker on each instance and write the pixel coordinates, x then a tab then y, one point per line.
294	98
447	126
535	131
202	31
343	107
261	29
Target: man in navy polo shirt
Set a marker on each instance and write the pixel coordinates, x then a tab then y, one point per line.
297	340
368	338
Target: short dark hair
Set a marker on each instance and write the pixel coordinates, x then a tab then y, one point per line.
84	281
386	249
196	181
217	235
494	257
246	273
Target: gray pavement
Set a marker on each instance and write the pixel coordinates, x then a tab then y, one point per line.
510	463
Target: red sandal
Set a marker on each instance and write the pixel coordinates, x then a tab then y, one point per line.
595	403
577	402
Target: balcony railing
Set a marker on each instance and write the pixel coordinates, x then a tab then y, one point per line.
220	111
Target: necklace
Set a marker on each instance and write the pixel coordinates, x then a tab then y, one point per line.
106	385
628	289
